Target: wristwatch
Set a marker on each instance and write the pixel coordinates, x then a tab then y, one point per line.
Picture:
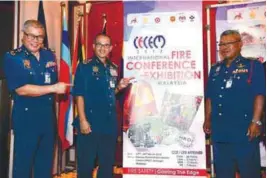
258	122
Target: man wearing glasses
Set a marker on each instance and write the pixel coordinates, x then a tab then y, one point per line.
95	87
234	104
31	74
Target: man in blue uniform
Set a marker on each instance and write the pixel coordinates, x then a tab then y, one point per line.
31	74
95	87
234	103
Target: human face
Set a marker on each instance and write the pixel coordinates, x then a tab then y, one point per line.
230	46
33	39
102	47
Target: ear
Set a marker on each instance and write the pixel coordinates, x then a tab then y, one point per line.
93	46
241	44
110	48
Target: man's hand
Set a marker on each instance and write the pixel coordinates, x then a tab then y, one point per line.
85	127
124	82
254	131
60	87
207	127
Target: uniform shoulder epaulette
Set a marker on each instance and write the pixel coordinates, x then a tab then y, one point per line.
114	65
13	52
251	58
49	49
216	64
86	61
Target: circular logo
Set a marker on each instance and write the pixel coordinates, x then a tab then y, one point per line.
157	20
172	19
186	139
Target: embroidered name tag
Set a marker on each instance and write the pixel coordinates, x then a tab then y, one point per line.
50	64
238	71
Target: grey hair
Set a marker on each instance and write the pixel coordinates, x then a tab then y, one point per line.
231	32
32	23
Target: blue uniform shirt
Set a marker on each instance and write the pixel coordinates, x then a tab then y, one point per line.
21	67
232	92
96	84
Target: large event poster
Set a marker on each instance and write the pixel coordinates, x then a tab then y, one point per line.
164	107
250	20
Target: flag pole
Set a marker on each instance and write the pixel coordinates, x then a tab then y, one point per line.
59	155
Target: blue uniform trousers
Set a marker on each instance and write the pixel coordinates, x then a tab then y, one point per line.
94	145
242	156
34	140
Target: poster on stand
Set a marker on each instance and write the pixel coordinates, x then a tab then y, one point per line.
163	110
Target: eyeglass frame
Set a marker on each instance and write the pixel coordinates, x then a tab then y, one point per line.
228	43
39	38
99	45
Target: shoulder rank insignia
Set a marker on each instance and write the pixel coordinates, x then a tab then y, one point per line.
27	63
48	49
86	61
12	52
15	51
114	65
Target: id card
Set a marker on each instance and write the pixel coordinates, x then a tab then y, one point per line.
229	83
47	77
112	84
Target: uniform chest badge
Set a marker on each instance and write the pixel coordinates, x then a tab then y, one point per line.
50	64
27	64
113	72
218	69
95	69
240	66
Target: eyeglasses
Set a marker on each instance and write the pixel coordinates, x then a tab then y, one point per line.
39	38
99	45
228	43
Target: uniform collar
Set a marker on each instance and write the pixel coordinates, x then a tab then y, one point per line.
235	61
27	52
99	62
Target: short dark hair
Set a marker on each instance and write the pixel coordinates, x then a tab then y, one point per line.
101	34
230	32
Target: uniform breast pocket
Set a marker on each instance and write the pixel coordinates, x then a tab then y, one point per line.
32	75
241	81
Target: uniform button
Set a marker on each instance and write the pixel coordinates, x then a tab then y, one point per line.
220	96
31	73
220	105
226	72
238	77
97	78
26	109
107	80
110	104
110	96
49	98
91	110
109	112
220	114
222	88
224	80
246	115
213	79
42	73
